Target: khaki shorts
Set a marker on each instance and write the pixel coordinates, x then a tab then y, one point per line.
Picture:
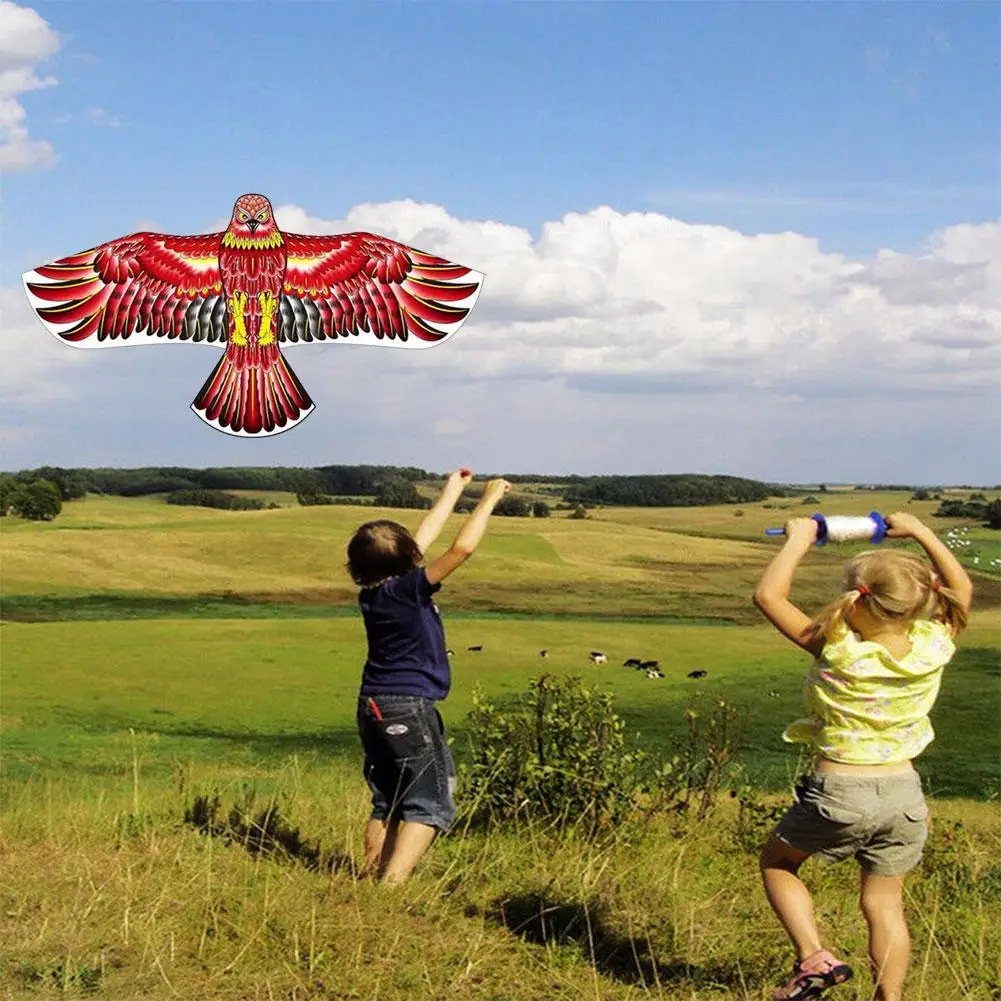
881	821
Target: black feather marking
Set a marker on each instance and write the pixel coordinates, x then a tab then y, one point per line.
219	330
286	321
313	327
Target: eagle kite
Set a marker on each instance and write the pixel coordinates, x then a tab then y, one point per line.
254	289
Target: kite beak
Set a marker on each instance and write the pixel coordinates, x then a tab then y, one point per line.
253	224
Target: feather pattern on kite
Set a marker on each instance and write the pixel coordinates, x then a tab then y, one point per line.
253	289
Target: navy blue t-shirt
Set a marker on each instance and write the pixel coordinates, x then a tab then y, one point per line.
406	638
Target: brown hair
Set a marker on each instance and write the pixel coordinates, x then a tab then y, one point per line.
380	550
891	585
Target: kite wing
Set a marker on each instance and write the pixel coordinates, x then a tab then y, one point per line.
371	290
166	287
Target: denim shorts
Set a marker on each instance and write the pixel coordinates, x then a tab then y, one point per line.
881	821
408	765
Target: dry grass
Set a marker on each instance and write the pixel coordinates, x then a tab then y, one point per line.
108	894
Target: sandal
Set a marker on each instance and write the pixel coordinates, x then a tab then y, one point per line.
812	976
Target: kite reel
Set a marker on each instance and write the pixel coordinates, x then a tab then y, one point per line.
838	528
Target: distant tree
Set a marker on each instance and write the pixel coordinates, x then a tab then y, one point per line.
579	513
921	494
961	509
38	501
313	498
512	507
216	499
398	492
822	488
9	486
994	514
811	500
540	509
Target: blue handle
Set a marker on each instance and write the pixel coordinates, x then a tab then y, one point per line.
878	535
821	529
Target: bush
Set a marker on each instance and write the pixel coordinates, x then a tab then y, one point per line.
579	513
540	509
961	509
558	752
313	498
513	507
994	514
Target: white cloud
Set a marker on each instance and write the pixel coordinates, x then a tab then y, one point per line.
641	301
634	326
37	369
25	39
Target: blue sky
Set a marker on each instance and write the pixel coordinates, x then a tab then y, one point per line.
866	128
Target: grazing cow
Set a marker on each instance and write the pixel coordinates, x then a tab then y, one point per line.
475	649
543	653
597	657
632	662
449	653
648	665
773	694
654	673
697	674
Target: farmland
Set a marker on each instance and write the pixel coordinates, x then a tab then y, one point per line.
151	652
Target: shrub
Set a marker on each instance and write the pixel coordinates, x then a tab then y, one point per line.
215	499
558	752
579	513
313	498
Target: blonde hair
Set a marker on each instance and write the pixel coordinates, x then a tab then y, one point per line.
894	586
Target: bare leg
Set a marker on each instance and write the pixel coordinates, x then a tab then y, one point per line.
380	836
789	897
412	840
882	904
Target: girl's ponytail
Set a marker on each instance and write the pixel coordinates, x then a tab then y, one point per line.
831	620
949	608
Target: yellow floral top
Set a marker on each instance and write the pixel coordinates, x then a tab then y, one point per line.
867	708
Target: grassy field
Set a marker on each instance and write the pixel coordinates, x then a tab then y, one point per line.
151	653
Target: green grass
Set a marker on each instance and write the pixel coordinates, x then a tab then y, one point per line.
152	653
247	690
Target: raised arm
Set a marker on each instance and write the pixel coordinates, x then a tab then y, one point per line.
772	593
470	534
906	526
434	521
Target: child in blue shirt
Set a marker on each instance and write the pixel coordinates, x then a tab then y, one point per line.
408	766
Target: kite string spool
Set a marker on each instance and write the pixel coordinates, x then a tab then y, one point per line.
841	528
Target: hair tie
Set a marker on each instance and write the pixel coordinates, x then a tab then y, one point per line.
862	590
936	584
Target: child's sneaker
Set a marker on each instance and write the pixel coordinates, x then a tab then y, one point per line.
812	976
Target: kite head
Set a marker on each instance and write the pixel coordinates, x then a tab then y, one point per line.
253	217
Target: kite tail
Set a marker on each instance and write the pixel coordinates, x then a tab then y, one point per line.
252	392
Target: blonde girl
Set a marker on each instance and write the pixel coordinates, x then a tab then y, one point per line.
879	651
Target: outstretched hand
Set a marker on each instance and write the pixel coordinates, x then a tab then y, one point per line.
902	525
461	478
801	530
496	489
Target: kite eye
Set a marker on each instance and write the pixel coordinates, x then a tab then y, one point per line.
263	216
242	216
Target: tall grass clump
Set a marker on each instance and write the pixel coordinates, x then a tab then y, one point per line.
561	753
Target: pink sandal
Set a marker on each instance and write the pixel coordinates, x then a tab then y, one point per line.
812	976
